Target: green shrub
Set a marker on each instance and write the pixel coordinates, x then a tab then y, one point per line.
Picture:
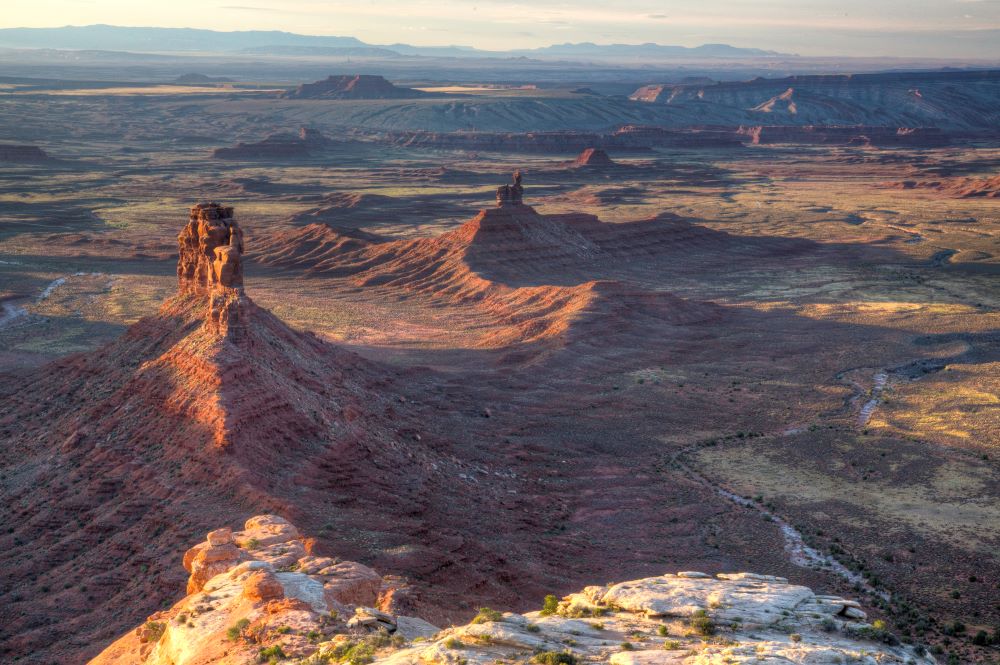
981	639
671	645
354	653
271	654
702	624
533	628
453	643
486	615
550	605
155	630
236	630
627	646
795	637
554	658
662	631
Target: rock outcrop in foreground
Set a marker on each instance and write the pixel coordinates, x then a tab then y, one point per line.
258	595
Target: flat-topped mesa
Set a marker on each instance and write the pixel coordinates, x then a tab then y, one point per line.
210	250
512	194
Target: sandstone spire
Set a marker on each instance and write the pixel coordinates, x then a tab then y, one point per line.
210	252
512	194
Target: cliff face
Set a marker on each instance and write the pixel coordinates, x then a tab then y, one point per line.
259	595
950	100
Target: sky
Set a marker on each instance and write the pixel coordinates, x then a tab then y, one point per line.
924	28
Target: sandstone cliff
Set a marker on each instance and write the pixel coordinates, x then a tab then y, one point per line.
258	595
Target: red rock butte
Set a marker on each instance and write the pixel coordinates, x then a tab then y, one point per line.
593	157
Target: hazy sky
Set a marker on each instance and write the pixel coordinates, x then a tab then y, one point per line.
930	28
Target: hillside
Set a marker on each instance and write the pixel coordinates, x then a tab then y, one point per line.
353	86
207	408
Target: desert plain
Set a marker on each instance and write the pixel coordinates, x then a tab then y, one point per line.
700	350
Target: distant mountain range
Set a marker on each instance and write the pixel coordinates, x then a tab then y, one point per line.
273	42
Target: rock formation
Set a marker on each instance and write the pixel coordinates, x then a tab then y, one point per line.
210	263
593	158
512	194
356	86
883	99
283	145
259	595
26	154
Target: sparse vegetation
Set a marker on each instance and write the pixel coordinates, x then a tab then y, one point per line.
486	615
271	654
550	605
362	651
155	630
235	631
555	658
702	624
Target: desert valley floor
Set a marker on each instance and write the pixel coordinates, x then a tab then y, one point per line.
769	357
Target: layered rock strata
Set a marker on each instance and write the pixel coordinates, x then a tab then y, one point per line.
210	263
